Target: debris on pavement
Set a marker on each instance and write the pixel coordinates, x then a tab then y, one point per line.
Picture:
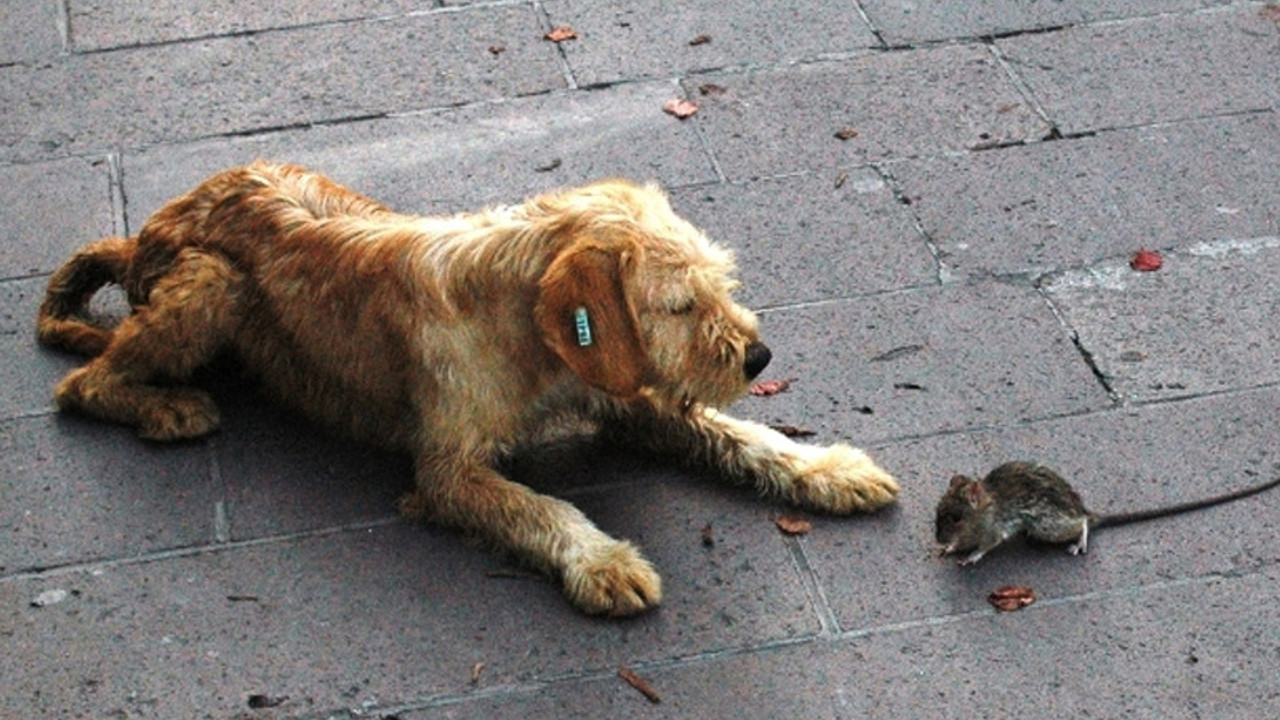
793	524
680	108
767	388
1011	597
640	684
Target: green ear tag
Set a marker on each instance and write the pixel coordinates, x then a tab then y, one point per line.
583	326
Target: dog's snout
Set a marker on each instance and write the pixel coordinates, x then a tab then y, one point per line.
757	358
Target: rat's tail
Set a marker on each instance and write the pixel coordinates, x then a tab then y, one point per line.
1144	515
62	322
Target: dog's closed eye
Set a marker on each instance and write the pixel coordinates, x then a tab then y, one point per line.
682	307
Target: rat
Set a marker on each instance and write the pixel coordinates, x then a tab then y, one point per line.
975	516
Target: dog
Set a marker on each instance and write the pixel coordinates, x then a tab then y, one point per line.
453	338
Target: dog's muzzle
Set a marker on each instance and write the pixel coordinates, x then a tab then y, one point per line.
757	358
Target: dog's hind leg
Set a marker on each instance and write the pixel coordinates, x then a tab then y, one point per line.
190	313
600	575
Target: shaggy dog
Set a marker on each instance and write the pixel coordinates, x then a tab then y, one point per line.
454	338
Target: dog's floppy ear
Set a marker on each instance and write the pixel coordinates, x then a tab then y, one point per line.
585	318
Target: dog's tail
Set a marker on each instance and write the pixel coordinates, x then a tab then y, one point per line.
63	321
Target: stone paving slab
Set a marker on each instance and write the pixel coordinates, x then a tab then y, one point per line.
909	22
1075	202
389	614
784	120
105	25
79	491
28	30
815	237
651	38
921	362
29	371
1179	650
1120	460
1203	323
50	209
1160	69
240	84
457	159
282	475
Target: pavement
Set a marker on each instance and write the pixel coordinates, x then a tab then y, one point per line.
948	282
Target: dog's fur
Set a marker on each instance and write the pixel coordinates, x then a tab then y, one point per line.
452	338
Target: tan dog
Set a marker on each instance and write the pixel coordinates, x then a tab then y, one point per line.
454	338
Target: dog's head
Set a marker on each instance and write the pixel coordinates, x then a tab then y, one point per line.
637	301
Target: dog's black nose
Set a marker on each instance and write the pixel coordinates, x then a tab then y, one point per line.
757	357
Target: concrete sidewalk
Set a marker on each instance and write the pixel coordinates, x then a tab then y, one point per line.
1003	161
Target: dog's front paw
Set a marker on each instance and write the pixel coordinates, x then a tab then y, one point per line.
613	580
840	480
178	414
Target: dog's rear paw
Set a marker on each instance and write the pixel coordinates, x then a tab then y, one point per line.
615	581
179	414
841	479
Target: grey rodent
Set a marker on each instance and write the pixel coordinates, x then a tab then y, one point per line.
975	516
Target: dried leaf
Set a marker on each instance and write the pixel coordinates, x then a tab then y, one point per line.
475	673
767	388
680	107
712	89
262	702
1270	11
560	33
846	133
640	684
1146	261
1011	597
793	524
792	431
700	40
497	49
548	167
841	179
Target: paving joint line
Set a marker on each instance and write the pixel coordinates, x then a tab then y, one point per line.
90	566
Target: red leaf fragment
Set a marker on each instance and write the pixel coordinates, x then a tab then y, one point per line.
680	108
793	524
766	388
640	684
1146	261
1011	597
560	33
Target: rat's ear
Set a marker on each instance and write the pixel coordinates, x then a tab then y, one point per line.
585	317
957	480
975	492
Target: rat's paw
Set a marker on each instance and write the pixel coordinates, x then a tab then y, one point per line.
840	480
612	580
